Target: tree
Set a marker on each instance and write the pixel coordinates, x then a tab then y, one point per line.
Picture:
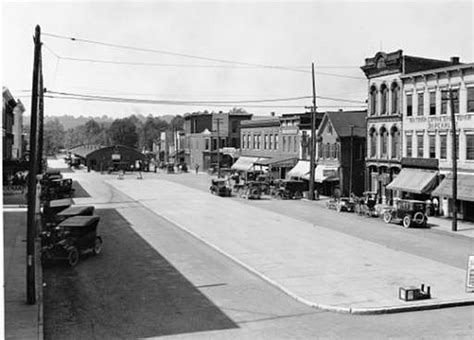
123	132
150	131
53	136
237	110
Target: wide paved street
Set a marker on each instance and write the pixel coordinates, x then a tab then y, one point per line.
244	305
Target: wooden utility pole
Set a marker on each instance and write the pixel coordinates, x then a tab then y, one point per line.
33	170
313	139
40	117
218	120
454	226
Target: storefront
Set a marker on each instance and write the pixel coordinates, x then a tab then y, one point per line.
279	166
299	170
465	196
326	179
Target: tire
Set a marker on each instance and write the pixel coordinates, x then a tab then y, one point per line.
406	221
73	256
97	246
419	218
297	195
387	217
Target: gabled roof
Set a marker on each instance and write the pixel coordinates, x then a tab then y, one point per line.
342	121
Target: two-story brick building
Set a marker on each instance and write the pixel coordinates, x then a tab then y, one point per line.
384	118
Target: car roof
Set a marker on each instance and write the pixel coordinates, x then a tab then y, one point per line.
79	221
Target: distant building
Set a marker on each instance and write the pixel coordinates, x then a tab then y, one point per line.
208	136
341	139
384	117
12	126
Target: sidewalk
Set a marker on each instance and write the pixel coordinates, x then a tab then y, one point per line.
22	321
315	265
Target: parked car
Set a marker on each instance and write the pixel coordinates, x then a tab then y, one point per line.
220	187
341	204
71	238
56	189
289	189
409	212
251	190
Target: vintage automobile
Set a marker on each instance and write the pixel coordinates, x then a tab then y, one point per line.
220	187
87	210
251	190
409	212
341	204
71	238
365	205
289	189
56	189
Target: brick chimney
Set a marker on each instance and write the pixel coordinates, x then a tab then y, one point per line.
272	113
455	60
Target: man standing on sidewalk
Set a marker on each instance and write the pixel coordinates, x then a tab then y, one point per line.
196	166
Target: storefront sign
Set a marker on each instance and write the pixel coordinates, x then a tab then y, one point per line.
470	273
115	156
439	122
420	163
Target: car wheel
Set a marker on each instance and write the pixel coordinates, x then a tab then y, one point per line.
73	256
97	246
387	217
406	221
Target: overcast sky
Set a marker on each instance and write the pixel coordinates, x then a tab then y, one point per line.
337	36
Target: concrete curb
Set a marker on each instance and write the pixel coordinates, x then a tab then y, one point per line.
330	308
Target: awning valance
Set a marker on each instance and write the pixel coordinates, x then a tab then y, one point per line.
418	181
244	163
278	161
299	170
324	173
465	186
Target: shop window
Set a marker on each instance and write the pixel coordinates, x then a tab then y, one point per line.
432	146
419	146
432	103
443	146
421	98
395	97
470	99
409	105
470	147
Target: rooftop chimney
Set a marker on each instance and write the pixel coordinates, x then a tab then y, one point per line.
455	60
272	113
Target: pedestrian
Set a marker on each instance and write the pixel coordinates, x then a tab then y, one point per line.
196	166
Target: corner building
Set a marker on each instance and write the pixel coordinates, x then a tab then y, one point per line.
384	116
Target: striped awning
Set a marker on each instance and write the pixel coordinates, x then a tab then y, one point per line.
464	185
417	181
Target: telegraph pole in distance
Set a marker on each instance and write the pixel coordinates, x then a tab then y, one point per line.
313	139
218	120
32	171
454	226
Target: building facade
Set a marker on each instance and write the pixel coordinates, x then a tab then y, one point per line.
428	133
12	126
384	116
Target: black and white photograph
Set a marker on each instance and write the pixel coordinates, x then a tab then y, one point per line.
237	169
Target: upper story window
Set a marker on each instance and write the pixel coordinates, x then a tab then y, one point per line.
470	147
295	145
265	142
470	99
276	142
395	143
384	100
421	98
432	103
443	141
409	105
326	150
284	144
455	100
235	126
444	107
373	100
270	142
409	145
420	146
395	98
207	144
372	143
384	142
432	146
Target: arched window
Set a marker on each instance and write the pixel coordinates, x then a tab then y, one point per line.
372	143
395	135
383	142
395	98
384	100
373	100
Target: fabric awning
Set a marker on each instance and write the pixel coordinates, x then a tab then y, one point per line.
417	181
299	170
465	186
324	173
244	163
278	161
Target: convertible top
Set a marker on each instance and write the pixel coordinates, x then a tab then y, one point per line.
77	210
79	221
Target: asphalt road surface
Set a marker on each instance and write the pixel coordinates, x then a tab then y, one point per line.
188	290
